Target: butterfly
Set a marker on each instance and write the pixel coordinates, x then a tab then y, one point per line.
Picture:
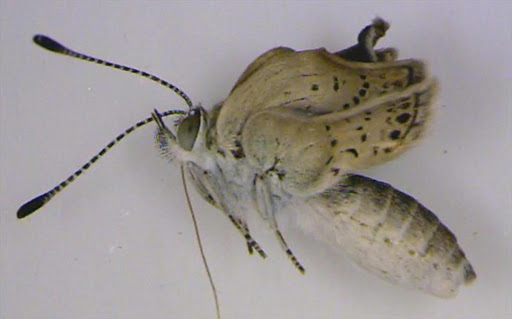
290	136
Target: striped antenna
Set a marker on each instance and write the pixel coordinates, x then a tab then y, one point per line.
54	46
36	203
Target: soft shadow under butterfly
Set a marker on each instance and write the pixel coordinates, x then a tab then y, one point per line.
293	129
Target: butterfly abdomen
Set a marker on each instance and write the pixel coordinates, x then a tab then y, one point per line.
391	234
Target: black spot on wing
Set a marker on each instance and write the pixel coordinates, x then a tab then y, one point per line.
353	151
403	118
394	135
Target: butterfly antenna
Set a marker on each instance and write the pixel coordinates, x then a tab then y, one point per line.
54	46
199	243
36	203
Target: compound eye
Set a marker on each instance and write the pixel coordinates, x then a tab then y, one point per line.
188	130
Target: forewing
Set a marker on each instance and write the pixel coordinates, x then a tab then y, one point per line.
382	130
314	81
388	233
311	151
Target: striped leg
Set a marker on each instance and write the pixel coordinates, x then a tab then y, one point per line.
266	207
289	252
207	186
244	229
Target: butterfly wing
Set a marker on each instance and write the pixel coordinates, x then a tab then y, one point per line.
311	151
315	81
388	233
316	115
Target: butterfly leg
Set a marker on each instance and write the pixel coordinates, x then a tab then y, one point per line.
242	226
207	186
363	51
266	206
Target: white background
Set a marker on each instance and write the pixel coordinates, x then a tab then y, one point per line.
119	242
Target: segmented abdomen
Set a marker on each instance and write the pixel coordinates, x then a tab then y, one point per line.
391	234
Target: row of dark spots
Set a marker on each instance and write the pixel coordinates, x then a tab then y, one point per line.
367	117
386	150
364	136
336	85
362	92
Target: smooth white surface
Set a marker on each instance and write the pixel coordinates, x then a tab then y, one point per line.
119	243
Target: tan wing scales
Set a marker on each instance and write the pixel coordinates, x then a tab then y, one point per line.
383	131
315	81
310	152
